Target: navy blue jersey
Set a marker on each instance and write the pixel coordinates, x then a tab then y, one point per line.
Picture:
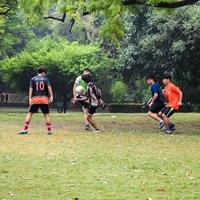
94	94
156	89
40	86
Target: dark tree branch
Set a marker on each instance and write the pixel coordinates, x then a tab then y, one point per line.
7	6
162	4
5	12
132	2
72	21
56	18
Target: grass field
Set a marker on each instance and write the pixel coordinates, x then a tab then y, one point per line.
131	159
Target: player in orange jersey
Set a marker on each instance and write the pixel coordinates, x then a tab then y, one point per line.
174	97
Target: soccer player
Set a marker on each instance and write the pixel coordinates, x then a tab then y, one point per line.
40	95
84	104
156	102
94	96
174	96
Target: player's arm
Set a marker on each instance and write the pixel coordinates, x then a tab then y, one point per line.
76	83
164	93
50	93
155	96
148	102
30	95
81	98
74	90
180	97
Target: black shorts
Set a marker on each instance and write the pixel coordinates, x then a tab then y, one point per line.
84	104
92	109
168	111
156	107
44	108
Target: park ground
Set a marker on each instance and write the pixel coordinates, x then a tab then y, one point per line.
131	158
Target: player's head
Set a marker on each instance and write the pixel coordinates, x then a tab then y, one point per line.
151	78
166	79
41	71
87	78
87	71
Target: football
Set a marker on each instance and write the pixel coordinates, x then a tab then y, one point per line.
79	90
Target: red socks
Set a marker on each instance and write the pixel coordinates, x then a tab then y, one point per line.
49	127
26	125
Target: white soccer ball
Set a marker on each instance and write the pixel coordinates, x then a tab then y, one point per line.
79	90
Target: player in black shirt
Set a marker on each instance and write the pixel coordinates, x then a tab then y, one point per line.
40	95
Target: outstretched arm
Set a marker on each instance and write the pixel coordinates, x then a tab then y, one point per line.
30	95
50	93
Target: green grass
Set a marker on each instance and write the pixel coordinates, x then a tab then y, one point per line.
131	159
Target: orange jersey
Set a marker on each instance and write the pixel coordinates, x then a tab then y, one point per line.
172	94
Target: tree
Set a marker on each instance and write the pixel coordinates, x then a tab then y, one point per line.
112	10
6	6
63	61
14	35
161	42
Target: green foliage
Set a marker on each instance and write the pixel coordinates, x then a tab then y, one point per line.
111	10
14	36
159	42
119	92
140	93
63	61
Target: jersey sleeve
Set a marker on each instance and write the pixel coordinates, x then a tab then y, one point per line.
31	83
78	80
154	89
48	82
175	89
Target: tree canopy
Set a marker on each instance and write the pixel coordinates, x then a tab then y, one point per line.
111	10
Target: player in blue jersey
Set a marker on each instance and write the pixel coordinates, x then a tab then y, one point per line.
40	95
156	102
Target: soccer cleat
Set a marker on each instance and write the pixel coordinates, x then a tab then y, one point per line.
168	131
161	124
87	127
23	132
50	133
97	130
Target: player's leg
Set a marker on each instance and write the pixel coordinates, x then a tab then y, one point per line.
154	116
48	124
91	111
33	109
91	121
45	111
85	109
153	113
165	115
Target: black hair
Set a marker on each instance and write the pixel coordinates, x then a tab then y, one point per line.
151	76
41	70
86	77
87	69
167	76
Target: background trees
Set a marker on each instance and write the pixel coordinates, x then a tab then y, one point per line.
120	40
63	61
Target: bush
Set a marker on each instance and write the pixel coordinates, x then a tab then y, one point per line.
119	92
